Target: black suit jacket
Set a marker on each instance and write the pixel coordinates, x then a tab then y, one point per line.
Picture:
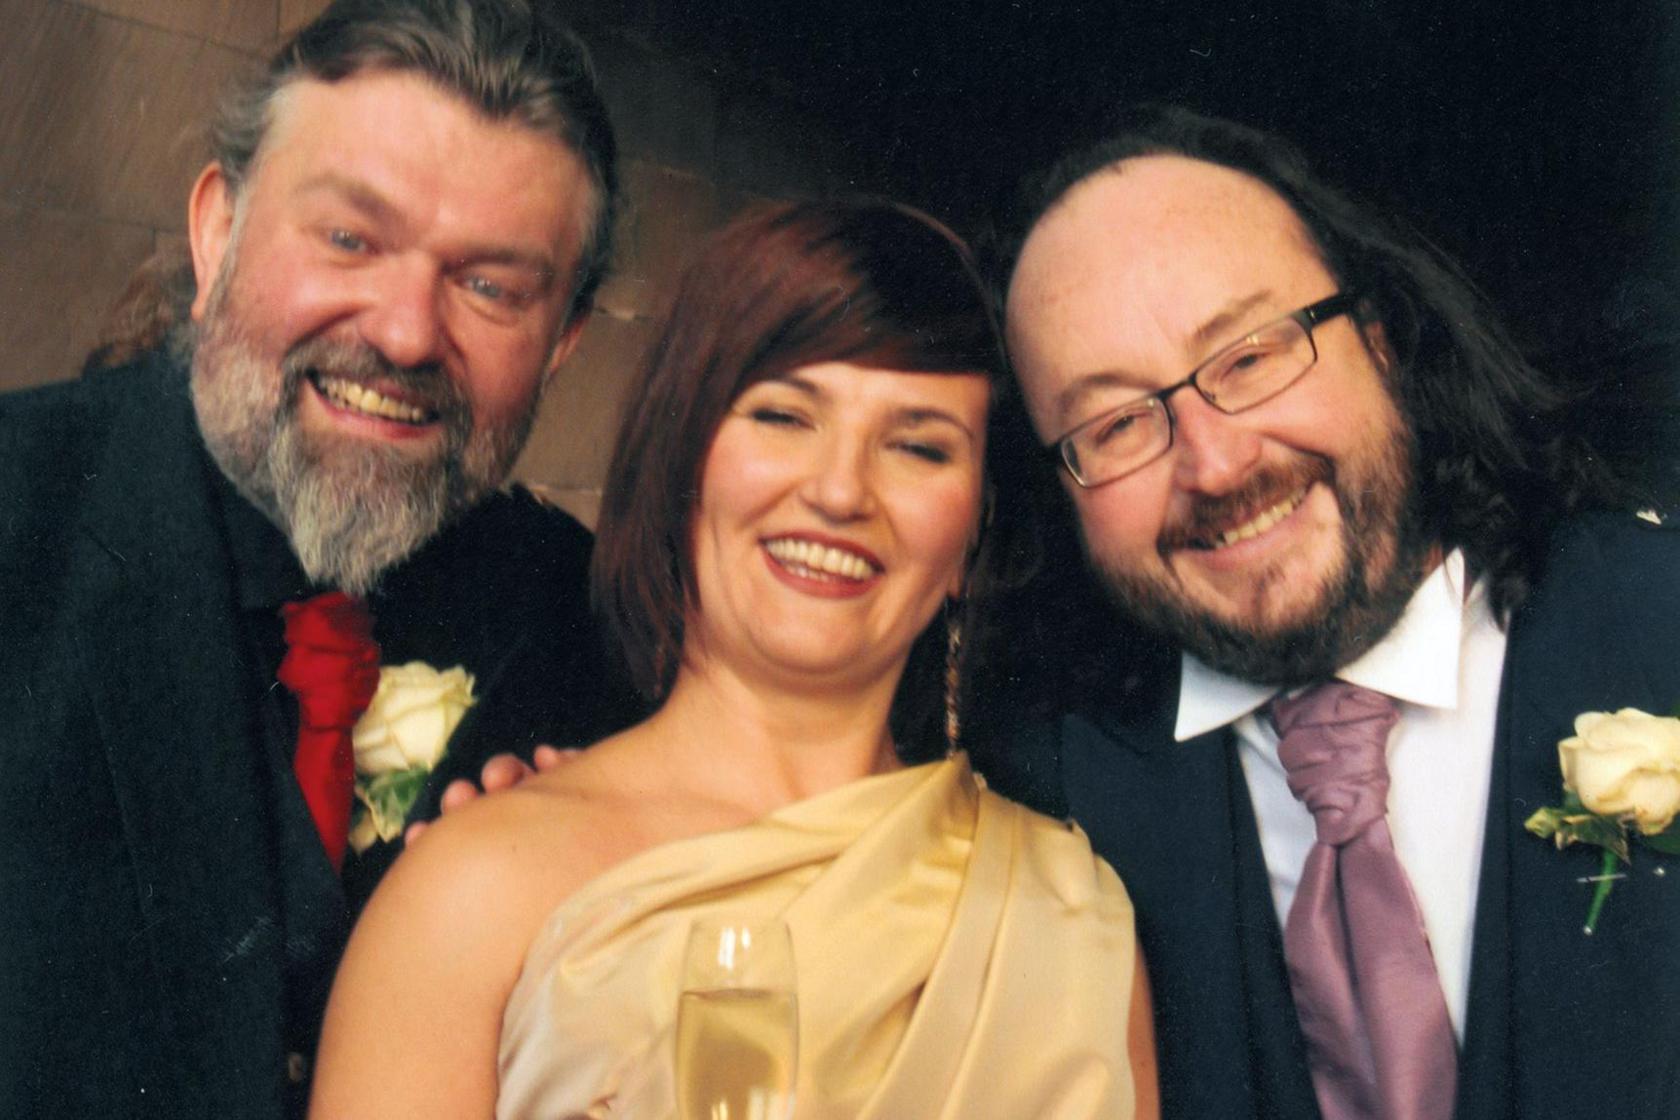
165	935
1559	1024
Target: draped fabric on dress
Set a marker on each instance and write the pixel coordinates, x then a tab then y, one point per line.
957	954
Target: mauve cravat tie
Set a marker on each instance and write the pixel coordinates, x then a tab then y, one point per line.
332	666
1379	1041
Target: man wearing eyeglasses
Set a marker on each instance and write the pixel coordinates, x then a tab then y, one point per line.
1300	451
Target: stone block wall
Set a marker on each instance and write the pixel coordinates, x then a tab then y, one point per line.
102	110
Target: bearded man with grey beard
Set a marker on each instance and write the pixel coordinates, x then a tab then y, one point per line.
1366	566
395	249
349	513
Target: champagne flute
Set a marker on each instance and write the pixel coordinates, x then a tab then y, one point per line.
737	1022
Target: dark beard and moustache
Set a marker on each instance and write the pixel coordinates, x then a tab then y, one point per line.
1384	551
352	509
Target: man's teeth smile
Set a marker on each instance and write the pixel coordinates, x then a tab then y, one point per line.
816	561
1259	523
359	398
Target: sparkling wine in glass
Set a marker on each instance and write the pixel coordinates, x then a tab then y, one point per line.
737	1023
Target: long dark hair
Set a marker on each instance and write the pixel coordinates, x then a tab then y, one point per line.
861	280
1504	451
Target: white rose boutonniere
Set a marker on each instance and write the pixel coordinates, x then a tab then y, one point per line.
1619	769
1625	766
399	741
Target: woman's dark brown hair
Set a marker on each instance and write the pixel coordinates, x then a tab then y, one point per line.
862	281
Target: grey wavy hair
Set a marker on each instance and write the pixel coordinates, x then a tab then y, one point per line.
512	60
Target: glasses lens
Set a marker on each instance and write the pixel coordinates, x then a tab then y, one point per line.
1259	367
1117	443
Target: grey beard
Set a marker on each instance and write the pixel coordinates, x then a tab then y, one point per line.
351	511
351	521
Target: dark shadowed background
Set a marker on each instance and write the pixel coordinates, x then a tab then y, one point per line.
1537	141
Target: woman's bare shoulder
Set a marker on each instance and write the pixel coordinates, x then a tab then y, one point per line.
521	851
620	798
444	939
525	850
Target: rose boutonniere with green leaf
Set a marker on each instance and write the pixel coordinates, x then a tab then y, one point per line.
1620	770
399	741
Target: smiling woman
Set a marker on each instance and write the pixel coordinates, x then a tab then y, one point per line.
857	488
781	291
798	495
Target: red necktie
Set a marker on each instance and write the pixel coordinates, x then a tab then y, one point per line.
1379	1040
332	666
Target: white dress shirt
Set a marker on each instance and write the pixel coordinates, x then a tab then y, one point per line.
1442	662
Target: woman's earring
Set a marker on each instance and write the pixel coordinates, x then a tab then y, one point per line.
953	680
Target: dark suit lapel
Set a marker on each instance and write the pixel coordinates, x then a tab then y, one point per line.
469	747
1175	820
155	619
451	605
1484	1089
1562	1023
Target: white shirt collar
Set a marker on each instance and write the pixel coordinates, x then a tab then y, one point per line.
1416	662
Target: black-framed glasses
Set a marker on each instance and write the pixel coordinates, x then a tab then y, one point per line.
1250	371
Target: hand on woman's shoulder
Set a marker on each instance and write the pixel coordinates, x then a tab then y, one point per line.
538	840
